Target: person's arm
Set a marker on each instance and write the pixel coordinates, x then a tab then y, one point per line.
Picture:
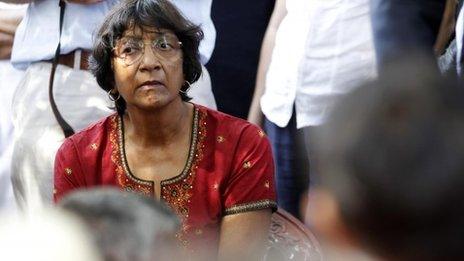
248	198
446	27
9	20
244	235
255	115
6	44
16	1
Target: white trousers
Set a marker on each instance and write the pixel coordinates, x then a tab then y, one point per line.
9	79
38	135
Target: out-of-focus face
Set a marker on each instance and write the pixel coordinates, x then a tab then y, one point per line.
147	67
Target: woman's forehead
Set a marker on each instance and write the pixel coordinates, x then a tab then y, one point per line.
145	32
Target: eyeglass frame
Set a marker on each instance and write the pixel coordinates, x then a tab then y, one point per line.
153	48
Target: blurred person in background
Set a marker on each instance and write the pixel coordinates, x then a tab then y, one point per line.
391	159
460	40
428	28
445	46
405	28
10	16
67	84
52	103
215	171
240	26
48	235
313	52
125	226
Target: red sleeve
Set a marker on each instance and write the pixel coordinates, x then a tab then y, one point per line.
250	185
68	173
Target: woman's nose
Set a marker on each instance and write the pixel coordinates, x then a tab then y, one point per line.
150	60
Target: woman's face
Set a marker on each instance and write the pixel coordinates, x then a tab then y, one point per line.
147	68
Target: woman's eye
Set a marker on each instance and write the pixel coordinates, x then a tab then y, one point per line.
130	48
163	45
127	50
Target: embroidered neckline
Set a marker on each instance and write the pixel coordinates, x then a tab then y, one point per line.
187	166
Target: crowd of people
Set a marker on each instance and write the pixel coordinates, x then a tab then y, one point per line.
112	146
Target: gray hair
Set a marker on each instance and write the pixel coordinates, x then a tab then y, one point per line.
125	226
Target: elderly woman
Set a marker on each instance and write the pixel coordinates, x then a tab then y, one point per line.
215	171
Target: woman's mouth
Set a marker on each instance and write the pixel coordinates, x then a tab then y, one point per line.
150	85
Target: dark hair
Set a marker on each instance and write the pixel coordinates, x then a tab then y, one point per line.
392	154
144	13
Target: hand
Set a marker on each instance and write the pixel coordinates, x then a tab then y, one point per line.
84	2
8	23
6	44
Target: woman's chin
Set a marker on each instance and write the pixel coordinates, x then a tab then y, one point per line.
154	104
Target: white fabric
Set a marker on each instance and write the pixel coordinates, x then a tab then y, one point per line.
199	12
323	48
459	35
37	134
48	235
37	36
201	91
9	79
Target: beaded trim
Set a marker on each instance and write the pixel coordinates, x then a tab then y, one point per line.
116	157
176	192
261	204
193	144
115	149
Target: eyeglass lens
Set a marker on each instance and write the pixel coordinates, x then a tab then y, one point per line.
131	49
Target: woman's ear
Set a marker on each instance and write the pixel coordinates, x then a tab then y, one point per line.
322	213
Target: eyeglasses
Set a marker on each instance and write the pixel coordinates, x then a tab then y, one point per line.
130	49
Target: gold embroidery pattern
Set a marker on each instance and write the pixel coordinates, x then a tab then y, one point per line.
132	183
266	184
261	204
124	180
93	146
220	139
68	171
261	133
247	165
113	134
176	192
198	231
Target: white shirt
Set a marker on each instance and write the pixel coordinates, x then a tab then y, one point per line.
459	35
9	78
37	36
323	48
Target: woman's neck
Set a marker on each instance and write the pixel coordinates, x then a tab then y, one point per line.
159	127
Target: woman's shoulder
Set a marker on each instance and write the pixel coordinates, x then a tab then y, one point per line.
94	132
225	123
224	118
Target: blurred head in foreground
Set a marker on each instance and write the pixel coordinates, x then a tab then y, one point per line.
391	160
48	235
125	226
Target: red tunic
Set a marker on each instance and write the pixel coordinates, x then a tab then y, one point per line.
229	170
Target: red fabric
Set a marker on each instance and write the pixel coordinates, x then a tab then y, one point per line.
231	171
